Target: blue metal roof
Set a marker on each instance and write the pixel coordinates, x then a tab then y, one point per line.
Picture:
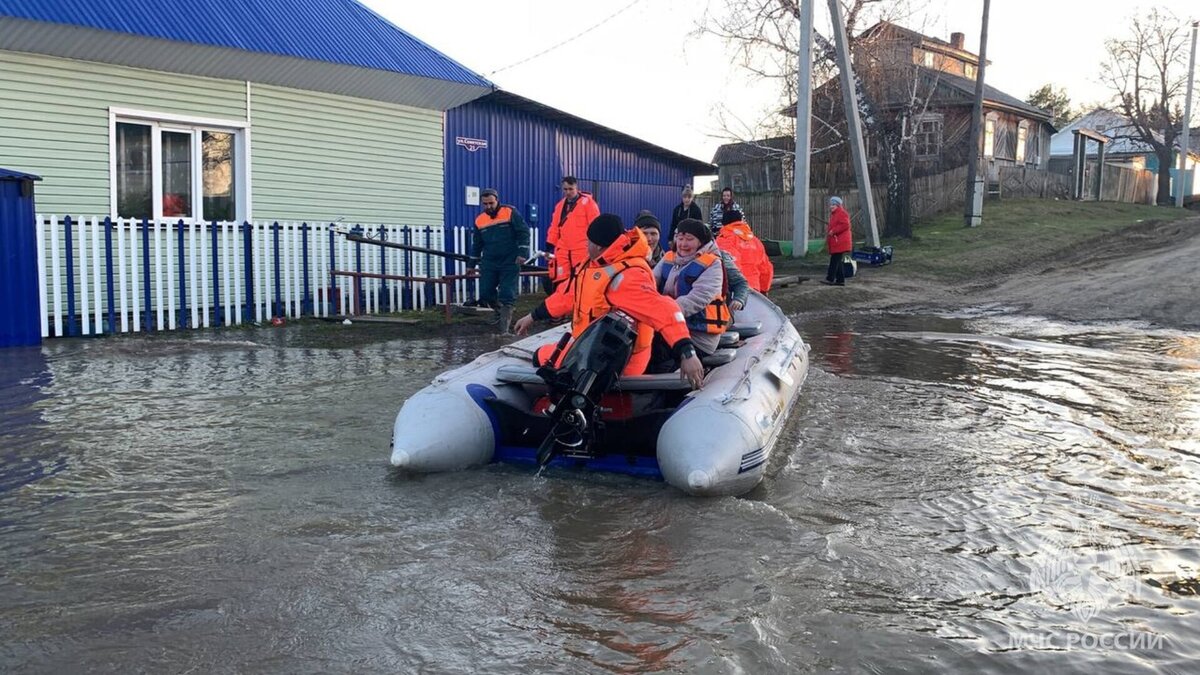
332	31
9	174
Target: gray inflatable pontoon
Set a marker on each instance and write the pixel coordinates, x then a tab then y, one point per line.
713	441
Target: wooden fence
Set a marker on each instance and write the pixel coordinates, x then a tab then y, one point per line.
937	193
1019	182
771	213
1125	184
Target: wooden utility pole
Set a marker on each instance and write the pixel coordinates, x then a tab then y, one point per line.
853	120
973	209
800	165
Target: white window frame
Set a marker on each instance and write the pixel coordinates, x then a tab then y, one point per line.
162	121
969	71
927	59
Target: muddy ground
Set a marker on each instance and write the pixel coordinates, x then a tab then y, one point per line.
1148	272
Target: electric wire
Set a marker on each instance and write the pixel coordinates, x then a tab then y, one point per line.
547	50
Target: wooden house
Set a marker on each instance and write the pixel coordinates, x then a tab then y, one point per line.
921	88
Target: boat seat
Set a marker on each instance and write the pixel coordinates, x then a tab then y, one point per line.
729	339
519	374
746	330
719	358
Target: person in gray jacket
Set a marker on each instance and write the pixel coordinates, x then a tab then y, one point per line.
694	275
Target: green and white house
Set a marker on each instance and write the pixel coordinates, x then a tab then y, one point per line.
159	108
205	110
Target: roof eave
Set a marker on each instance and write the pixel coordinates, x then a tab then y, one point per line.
88	44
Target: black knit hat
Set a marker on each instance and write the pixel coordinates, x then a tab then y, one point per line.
695	228
731	216
647	219
605	229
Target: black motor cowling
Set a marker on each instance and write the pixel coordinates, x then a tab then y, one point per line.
589	369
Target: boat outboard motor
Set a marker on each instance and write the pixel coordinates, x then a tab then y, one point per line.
589	370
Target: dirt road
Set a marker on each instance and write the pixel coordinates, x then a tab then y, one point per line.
1149	272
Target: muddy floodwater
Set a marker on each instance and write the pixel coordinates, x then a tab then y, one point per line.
955	493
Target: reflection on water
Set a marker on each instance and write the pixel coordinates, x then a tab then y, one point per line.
961	493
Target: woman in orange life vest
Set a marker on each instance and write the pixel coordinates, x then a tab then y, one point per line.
693	275
617	276
747	250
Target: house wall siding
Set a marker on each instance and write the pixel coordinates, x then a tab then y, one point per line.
324	157
54	120
313	156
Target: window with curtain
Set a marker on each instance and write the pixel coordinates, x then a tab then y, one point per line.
173	170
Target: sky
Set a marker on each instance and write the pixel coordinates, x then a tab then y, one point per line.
643	68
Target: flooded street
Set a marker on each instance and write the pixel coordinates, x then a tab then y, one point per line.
953	493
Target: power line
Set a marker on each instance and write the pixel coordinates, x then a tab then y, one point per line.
610	17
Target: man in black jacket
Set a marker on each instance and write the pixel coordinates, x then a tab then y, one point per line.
684	210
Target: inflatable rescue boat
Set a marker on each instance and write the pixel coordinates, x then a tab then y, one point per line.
716	440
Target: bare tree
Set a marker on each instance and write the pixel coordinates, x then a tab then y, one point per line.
1146	71
765	35
891	91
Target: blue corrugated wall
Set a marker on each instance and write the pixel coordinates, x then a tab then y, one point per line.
527	155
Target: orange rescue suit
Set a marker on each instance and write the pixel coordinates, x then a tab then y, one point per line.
748	252
569	236
620	278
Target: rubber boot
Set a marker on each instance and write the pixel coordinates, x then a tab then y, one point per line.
504	320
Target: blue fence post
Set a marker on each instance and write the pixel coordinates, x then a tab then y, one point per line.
406	298
218	310
247	268
278	273
184	317
358	285
72	329
306	305
335	298
108	274
383	285
146	300
430	291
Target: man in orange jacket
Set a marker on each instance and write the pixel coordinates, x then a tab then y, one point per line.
738	240
567	236
618	277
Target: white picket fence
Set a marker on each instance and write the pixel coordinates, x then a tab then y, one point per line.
98	275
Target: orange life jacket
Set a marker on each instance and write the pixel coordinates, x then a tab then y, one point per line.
715	316
591	300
